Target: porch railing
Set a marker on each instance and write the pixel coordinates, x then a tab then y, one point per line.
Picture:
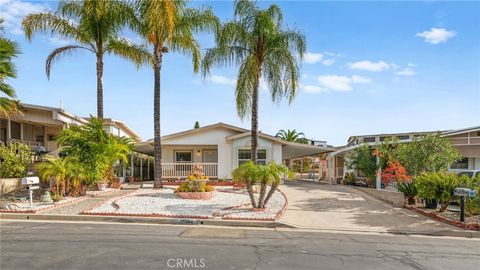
182	170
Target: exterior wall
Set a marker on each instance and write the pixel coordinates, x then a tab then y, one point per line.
208	139
168	152
10	184
245	143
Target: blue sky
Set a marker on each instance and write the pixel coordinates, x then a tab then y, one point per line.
371	67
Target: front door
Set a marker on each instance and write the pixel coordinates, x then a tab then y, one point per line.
210	156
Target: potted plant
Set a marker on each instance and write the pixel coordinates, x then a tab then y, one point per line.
115	182
101	185
196	187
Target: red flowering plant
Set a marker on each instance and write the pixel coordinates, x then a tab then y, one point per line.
394	172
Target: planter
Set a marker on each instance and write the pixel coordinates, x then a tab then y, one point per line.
195	195
411	200
130	179
431	203
101	186
115	185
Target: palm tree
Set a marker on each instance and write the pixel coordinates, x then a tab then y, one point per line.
93	26
256	41
168	25
8	51
292	136
62	170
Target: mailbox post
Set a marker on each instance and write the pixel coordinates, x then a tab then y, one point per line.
463	193
32	183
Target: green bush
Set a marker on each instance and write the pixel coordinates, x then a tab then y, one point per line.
14	159
409	190
196	185
472	205
350	178
438	186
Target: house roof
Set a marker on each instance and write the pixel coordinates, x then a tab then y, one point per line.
261	135
201	129
53	109
351	138
125	127
460	131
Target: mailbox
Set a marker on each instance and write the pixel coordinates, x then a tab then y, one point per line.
30	180
464	192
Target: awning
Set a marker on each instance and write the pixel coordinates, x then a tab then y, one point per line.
296	150
144	148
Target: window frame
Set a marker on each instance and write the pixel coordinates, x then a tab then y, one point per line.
241	161
183	151
455	165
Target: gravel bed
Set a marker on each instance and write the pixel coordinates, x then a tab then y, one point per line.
165	202
454	215
24	206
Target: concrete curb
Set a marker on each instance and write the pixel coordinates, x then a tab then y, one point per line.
148	220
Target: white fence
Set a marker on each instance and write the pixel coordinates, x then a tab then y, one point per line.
181	170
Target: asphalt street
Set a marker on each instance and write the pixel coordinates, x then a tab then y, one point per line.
57	245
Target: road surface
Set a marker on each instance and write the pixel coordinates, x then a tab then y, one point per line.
57	245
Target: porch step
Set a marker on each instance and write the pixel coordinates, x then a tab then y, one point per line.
132	186
147	185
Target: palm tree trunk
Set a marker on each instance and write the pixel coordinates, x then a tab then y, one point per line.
270	193
254	131
250	193
261	197
99	86
157	183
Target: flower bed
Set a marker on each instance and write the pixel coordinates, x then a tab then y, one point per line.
164	203
452	218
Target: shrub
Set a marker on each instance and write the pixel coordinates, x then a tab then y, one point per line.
438	186
195	185
394	172
350	178
409	190
14	159
56	197
472	205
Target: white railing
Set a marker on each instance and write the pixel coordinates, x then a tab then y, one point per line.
182	170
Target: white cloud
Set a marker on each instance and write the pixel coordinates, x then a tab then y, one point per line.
370	66
406	72
312	58
312	89
13	11
341	83
360	79
305	76
436	35
328	62
221	80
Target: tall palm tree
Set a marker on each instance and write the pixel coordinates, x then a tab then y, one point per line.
168	25
256	42
93	26
292	136
8	51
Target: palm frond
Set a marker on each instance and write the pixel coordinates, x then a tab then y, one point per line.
187	45
9	108
47	22
59	53
247	83
139	55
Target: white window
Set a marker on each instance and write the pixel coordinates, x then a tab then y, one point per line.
244	155
183	156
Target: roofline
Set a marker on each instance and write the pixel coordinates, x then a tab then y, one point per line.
248	133
123	124
460	131
395	134
200	129
58	110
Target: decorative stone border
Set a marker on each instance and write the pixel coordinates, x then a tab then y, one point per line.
54	206
457	223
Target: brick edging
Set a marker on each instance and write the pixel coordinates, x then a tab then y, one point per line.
54	206
457	223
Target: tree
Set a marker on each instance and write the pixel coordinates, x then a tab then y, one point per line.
292	136
67	173
197	125
8	51
94	148
363	159
256	42
169	25
429	153
14	159
93	26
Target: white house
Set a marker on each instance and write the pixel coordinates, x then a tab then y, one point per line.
219	149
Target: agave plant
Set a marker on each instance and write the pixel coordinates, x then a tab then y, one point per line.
409	191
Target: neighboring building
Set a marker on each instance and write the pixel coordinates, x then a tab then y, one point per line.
466	140
38	127
219	149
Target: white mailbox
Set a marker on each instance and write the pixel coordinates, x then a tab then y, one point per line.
30	180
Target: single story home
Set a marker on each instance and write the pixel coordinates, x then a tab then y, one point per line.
219	149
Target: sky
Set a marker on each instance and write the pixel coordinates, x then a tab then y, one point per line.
370	67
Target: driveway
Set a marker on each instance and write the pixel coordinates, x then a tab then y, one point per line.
335	207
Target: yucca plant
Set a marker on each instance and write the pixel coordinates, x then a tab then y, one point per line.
409	190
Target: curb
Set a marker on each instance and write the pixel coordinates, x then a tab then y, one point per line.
459	224
146	220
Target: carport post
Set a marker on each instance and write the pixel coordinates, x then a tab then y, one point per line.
148	168
378	180
301	168
141	167
131	164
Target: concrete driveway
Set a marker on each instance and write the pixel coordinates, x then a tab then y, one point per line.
335	207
